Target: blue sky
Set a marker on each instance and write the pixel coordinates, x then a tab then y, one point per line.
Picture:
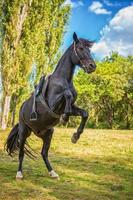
100	20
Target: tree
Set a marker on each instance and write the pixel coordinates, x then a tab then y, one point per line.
107	93
31	33
11	30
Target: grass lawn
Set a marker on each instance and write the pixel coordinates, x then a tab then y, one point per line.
98	167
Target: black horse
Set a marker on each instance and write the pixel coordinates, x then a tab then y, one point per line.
55	102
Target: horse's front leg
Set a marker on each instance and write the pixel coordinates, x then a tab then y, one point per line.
69	98
84	116
64	119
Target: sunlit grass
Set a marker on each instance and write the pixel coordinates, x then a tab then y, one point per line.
98	167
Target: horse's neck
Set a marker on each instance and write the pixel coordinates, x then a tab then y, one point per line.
65	68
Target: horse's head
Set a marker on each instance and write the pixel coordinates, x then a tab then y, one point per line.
81	54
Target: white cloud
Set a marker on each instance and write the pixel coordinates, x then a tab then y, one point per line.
117	35
108	3
73	4
97	8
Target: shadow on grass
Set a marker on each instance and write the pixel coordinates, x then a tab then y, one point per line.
82	178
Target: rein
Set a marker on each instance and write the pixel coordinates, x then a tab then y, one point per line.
83	66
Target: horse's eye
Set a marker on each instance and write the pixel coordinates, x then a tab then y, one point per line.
81	48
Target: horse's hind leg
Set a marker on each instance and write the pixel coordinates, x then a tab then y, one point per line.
47	136
23	134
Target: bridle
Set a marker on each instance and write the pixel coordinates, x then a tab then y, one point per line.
83	66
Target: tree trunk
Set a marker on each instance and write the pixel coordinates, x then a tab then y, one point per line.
14	111
5	112
127	111
110	118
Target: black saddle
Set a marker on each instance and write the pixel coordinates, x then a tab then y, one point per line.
38	90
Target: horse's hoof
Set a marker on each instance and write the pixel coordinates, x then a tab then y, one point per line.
19	175
53	174
74	138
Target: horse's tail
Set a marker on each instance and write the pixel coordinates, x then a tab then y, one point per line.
12	143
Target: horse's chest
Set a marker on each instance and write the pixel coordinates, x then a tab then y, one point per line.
45	116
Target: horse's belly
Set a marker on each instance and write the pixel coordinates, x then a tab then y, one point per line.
43	124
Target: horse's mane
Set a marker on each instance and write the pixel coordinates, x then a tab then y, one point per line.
87	43
64	55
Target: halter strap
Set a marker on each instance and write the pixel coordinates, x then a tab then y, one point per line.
83	66
75	50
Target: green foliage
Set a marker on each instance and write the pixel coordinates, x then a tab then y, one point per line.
30	33
108	92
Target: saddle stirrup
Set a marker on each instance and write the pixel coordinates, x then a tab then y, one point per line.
33	116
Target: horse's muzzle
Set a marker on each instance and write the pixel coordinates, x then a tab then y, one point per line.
91	68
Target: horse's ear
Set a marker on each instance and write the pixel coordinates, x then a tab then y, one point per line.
75	37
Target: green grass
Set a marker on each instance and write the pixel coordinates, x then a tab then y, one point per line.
98	167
